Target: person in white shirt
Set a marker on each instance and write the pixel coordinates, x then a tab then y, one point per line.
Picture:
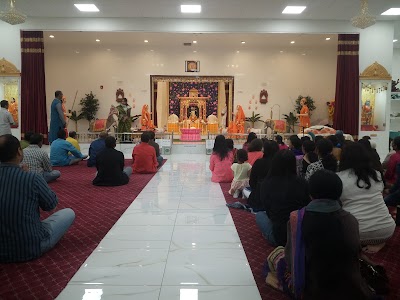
6	119
362	197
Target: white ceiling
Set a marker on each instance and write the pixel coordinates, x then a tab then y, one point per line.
250	9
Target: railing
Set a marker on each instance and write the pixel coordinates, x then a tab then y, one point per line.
126	137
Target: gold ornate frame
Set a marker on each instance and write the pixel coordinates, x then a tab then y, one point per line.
7	69
226	79
375	72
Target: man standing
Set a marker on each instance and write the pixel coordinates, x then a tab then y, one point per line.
59	152
23	236
37	159
57	120
144	156
110	166
96	147
6	119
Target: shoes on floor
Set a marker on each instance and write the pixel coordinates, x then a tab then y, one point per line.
236	194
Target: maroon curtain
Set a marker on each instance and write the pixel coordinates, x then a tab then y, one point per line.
347	85
33	87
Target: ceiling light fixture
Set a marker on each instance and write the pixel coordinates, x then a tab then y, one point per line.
293	10
194	51
243	42
238	51
97	40
190	9
281	51
391	12
87	7
12	16
327	39
364	19
292	42
146	41
194	42
394	41
51	36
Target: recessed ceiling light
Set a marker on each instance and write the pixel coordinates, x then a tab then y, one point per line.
303	54
295	10
194	42
97	40
194	51
152	50
394	41
191	9
391	12
77	52
108	49
51	36
146	41
327	39
292	42
238	51
281	51
243	42
87	7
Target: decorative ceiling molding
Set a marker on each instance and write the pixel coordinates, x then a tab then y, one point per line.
8	69
375	72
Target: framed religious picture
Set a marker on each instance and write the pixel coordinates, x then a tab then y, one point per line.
192	66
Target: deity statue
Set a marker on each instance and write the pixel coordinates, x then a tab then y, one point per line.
237	125
124	117
304	115
223	117
331	110
193	116
147	123
13	109
366	114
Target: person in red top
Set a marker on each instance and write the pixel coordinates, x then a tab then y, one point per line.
144	156
390	174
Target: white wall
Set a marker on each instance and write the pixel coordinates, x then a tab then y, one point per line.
284	75
10	49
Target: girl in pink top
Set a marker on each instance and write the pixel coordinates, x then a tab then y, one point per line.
221	161
282	145
255	151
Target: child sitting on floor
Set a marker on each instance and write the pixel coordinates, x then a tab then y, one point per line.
241	172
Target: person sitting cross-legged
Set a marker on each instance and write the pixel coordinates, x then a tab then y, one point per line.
59	151
72	139
37	159
153	143
23	236
96	147
144	156
110	166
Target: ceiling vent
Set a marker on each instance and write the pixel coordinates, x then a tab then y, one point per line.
187	44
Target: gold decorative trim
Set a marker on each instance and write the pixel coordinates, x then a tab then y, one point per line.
31	40
347	53
8	69
228	79
32	50
375	72
348	42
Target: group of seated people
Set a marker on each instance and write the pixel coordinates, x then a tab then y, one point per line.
325	194
25	171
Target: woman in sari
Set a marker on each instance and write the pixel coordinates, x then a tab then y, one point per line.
304	115
124	117
321	257
147	123
237	126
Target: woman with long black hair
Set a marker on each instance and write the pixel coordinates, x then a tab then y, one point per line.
220	161
326	160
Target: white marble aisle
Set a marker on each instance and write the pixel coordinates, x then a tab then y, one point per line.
177	240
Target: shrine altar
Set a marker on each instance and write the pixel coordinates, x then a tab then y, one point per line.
190	134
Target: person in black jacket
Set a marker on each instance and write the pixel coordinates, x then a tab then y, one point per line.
110	166
259	171
281	193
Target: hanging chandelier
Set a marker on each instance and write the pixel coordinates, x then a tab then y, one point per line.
12	15
364	19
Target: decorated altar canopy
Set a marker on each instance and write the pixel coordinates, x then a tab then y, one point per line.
193	101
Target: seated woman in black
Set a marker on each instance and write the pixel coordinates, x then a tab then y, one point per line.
295	145
281	193
259	171
309	155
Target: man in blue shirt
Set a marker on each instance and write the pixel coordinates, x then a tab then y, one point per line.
95	148
57	120
59	151
22	235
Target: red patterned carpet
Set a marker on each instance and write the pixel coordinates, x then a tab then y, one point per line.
257	250
97	209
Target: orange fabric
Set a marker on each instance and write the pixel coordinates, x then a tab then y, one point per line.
147	123
304	120
144	159
99	125
238	125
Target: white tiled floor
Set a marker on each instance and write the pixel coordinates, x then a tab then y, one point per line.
177	241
